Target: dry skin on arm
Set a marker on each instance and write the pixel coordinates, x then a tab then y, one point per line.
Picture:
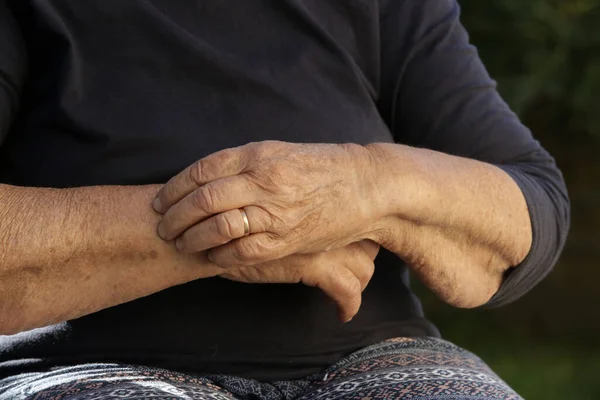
459	223
71	252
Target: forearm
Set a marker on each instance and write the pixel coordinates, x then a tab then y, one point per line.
68	253
459	223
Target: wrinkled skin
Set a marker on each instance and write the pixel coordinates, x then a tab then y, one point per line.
310	206
342	274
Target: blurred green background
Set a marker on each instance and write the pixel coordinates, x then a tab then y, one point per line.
545	56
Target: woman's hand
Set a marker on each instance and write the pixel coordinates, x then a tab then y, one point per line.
298	198
341	274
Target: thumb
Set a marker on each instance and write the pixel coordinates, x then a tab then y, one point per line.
342	286
369	247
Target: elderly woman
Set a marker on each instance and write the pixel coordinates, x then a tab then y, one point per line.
114	284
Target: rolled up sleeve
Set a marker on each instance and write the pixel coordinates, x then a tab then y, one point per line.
437	94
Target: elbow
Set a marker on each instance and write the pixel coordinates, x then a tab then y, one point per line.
468	303
472	290
482	279
548	243
469	298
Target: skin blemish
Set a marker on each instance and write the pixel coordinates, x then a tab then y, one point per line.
36	271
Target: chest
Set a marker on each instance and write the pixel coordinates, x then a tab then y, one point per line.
178	79
259	32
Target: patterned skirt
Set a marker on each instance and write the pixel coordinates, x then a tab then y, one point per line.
403	368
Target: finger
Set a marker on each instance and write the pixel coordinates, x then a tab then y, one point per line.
213	198
361	266
339	284
222	164
359	259
221	229
370	247
250	250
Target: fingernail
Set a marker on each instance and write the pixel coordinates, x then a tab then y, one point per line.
179	244
156	205
161	230
345	320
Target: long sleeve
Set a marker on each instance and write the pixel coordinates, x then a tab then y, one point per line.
437	94
13	63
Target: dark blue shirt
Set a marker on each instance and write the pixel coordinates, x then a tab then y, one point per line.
113	92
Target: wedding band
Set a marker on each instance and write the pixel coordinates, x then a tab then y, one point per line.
246	222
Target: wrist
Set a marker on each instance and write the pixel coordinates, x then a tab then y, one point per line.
361	169
405	193
371	174
400	175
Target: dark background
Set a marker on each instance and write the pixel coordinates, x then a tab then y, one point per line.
545	56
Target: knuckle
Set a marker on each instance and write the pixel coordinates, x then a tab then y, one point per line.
259	148
348	284
265	149
196	171
336	276
223	157
354	288
225	225
266	146
204	199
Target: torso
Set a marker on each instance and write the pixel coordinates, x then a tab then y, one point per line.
133	92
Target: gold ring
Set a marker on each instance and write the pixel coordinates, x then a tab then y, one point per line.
246	222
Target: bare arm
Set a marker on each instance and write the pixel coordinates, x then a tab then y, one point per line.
481	216
459	223
461	204
67	253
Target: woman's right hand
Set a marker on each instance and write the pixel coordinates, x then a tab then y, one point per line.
342	273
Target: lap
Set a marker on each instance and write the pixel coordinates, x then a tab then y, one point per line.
110	381
419	368
415	368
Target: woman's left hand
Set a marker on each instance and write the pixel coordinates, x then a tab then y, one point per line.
298	198
342	274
